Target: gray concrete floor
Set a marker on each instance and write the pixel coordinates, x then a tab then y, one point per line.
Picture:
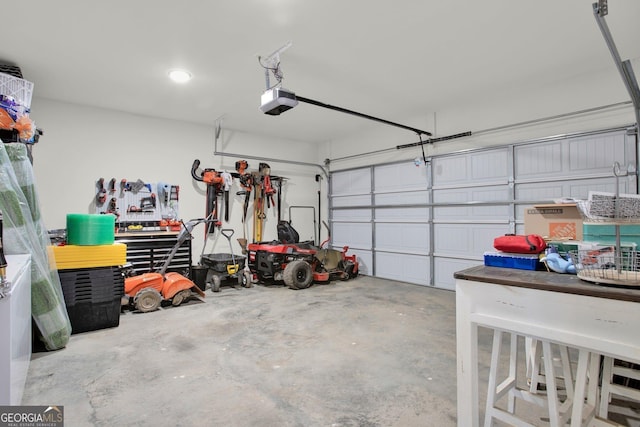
367	352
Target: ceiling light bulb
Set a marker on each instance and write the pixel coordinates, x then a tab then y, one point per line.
180	76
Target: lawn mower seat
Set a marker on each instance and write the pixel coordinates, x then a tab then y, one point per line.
286	233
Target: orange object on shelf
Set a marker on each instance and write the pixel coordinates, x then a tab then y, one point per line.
6	121
24	125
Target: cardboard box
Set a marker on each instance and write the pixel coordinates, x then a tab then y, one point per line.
554	221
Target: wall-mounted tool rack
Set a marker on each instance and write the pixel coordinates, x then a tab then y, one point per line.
138	206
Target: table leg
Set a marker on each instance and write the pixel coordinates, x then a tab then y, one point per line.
467	362
580	388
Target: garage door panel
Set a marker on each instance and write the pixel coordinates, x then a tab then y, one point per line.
489	165
450	170
534	160
352	200
461	240
473	213
592	154
403	198
355	215
490	193
542	191
364	257
486	166
476	194
409	238
356	235
596	153
578	189
400	177
356	181
402	214
446	267
403	267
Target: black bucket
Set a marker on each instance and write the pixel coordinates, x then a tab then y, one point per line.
220	262
199	275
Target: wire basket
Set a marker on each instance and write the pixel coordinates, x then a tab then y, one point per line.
19	89
607	266
604	207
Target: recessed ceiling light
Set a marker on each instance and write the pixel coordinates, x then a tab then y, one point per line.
180	76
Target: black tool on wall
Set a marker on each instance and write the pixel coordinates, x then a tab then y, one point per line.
319	181
214	185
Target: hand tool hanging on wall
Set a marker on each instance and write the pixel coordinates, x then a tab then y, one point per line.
269	190
113	208
136	186
246	183
258	206
164	192
214	183
319	181
101	195
227	180
148	204
263	191
278	183
123	186
112	186
263	186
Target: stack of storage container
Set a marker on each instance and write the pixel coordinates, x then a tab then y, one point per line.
90	274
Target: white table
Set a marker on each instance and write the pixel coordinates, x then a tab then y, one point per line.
15	330
549	306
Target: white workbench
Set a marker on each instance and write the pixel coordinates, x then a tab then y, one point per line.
549	306
15	330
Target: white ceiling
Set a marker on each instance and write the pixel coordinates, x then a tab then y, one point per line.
390	59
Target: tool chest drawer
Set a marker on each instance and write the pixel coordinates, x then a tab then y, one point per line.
148	251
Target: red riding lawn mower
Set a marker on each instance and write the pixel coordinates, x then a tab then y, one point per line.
297	264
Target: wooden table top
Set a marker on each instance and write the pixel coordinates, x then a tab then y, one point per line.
547	281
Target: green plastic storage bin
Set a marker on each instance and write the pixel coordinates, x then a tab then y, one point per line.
90	229
606	233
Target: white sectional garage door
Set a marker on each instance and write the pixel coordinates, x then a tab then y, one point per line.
422	224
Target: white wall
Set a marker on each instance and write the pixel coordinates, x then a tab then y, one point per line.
82	144
506	107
